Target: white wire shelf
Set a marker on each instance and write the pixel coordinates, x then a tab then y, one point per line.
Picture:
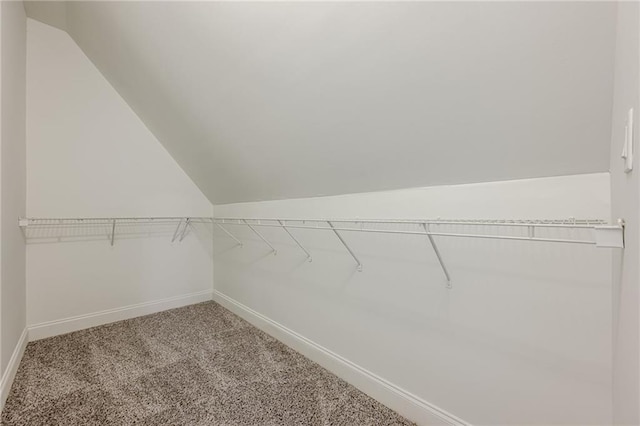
570	222
182	223
595	232
38	221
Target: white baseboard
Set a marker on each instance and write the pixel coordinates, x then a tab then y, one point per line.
80	322
12	367
394	397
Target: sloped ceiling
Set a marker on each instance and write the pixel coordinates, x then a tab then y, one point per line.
272	100
53	13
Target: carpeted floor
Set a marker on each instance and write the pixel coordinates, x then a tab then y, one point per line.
198	365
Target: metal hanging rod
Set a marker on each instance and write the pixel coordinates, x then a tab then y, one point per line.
440	234
604	235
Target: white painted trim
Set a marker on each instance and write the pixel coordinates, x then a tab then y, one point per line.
80	322
12	367
405	403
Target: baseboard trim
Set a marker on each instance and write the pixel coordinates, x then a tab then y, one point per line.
398	399
81	322
12	367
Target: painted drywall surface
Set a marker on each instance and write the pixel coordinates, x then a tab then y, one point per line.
275	100
88	155
13	176
625	193
524	336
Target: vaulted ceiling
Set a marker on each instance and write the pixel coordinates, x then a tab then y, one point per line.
269	100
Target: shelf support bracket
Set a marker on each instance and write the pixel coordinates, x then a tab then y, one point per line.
344	243
175	234
273	249
184	230
309	258
228	233
435	249
113	232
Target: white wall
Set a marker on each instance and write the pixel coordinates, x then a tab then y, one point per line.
524	336
625	193
89	155
12	178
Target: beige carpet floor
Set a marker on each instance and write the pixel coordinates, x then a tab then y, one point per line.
197	365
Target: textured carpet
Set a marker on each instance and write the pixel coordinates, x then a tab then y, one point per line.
197	365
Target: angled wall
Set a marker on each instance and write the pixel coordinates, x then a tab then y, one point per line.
88	155
523	337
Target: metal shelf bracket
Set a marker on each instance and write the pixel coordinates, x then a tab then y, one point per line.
273	249
309	258
435	249
229	233
346	246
